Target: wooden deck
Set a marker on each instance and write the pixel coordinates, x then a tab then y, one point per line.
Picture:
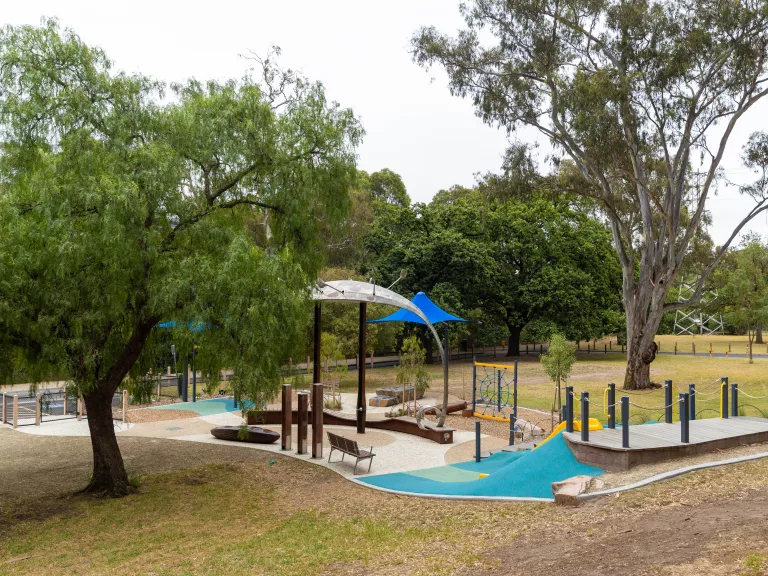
649	443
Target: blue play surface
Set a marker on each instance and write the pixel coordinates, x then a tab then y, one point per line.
206	407
524	474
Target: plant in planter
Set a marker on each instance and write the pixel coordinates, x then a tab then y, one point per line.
412	372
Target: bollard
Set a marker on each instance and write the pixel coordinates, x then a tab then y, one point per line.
724	397
125	406
569	409
474	386
585	416
79	407
693	347
691	402
668	401
303	422
611	405
625	421
684	427
38	409
286	417
317	421
606	348
734	399
477	440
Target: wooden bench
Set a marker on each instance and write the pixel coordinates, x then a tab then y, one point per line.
347	446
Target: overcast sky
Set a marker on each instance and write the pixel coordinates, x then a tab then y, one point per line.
359	50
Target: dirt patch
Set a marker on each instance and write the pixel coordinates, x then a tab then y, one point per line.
715	534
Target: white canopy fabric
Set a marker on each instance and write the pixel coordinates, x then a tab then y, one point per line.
355	291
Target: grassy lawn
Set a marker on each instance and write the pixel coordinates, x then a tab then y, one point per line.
594	371
288	517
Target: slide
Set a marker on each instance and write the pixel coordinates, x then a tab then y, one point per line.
594	424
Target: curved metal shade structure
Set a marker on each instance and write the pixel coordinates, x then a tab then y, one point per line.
355	291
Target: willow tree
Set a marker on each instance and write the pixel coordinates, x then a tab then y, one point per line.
120	208
642	97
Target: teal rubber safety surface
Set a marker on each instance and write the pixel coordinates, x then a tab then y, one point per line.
526	474
205	407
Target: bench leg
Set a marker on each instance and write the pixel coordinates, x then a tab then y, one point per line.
355	470
329	455
370	463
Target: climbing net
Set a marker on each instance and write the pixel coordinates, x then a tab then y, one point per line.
495	389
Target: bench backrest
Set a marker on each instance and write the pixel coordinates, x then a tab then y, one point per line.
343	444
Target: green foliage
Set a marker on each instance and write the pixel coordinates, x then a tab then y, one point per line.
142	389
411	371
639	101
119	212
742	283
558	362
120	209
559	358
519	263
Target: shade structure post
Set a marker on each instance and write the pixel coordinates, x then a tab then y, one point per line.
316	376
734	399
474	385
585	416
361	372
317	421
303	421
286	417
446	350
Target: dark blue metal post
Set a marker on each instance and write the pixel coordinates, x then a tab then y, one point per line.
692	401
724	397
684	429
514	391
474	387
668	401
498	389
477	440
585	416
569	408
194	374
185	380
611	405
734	399
625	421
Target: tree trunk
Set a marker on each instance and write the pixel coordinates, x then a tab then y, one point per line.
109	476
514	340
759	334
644	315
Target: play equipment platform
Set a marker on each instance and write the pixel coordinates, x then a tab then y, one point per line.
650	443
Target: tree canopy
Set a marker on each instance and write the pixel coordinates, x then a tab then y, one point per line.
536	264
121	207
642	97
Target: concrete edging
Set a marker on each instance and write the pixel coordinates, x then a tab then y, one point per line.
670	474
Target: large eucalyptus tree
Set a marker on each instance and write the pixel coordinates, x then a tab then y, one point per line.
642	96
